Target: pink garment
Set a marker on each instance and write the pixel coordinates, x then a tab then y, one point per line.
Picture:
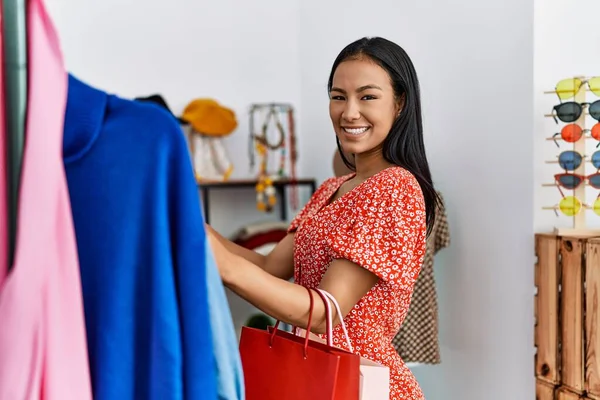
3	189
43	351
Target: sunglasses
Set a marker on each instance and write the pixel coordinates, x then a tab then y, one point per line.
571	206
571	111
573	181
572	133
570	160
567	88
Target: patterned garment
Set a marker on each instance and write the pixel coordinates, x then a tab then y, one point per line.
417	341
380	225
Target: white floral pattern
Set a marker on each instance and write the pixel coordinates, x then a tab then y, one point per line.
380	225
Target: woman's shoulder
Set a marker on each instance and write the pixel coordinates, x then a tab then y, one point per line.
320	197
394	181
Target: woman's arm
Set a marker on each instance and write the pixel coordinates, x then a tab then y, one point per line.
279	262
289	302
250	255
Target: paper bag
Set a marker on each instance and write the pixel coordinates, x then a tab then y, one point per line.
374	380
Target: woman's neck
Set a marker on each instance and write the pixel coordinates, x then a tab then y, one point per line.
369	164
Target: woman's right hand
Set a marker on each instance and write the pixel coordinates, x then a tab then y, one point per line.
234	248
279	263
209	229
223	257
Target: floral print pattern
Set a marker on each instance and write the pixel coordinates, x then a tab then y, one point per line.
379	225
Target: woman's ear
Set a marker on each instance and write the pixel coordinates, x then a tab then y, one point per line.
400	104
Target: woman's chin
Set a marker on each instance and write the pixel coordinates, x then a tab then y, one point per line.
350	149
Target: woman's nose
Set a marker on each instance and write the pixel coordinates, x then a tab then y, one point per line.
351	111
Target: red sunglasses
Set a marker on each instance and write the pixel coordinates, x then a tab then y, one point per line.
572	133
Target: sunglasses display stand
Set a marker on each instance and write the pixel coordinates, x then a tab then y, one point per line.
567	274
579	227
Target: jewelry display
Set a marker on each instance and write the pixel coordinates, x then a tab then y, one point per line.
266	146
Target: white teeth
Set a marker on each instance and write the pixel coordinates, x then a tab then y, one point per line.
356	131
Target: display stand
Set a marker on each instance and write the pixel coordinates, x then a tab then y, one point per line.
279	185
579	228
284	148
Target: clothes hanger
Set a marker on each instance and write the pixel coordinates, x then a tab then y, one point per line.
14	36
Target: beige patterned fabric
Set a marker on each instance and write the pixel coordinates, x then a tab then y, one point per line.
417	340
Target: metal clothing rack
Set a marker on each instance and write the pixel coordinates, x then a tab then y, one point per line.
14	47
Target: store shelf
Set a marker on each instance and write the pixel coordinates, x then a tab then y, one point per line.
280	186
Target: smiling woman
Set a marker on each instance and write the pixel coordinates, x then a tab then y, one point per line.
363	115
361	237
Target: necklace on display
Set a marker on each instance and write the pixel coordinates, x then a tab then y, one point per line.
262	145
264	186
265	192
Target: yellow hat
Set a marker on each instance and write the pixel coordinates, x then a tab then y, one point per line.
209	117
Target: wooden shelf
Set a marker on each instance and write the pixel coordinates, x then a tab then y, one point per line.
252	182
566	338
280	186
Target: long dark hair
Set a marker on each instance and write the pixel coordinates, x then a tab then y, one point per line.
404	144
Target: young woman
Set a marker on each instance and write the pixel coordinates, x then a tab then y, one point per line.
361	237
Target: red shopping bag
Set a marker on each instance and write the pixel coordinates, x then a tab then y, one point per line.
349	367
279	365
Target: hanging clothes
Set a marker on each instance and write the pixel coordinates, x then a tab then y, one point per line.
43	351
418	341
3	172
141	243
225	344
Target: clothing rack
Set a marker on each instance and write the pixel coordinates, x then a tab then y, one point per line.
14	37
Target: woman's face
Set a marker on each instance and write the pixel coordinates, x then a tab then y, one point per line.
362	106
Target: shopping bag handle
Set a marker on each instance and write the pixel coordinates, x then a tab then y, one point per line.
326	295
328	317
308	325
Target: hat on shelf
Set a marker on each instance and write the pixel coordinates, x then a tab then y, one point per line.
208	117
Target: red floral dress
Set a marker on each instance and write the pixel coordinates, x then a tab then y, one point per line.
380	225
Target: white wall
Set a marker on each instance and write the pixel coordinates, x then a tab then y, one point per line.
474	60
189	49
567	44
228	50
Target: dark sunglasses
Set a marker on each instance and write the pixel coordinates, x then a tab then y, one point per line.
573	181
570	160
571	111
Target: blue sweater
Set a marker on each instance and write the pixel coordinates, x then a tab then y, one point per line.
141	243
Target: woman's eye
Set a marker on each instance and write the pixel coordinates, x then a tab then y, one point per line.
369	97
337	98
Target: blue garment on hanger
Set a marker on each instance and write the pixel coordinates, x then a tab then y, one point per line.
225	344
141	244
